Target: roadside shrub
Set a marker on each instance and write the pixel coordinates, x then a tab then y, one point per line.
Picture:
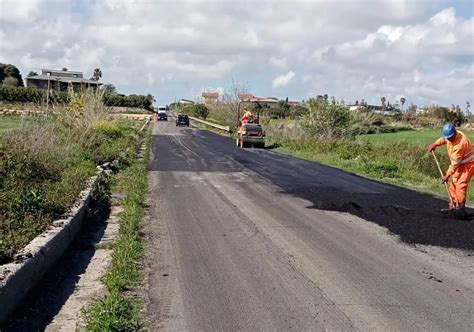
20	94
197	110
200	111
109	129
119	100
327	120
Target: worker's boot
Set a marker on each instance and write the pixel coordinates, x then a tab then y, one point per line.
451	208
461	211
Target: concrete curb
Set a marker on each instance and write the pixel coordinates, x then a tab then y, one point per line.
33	261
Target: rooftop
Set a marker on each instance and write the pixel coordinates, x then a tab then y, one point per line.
62	79
210	94
61	71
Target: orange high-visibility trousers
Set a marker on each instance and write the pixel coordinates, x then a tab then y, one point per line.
460	181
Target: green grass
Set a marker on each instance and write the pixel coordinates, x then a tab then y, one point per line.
418	137
118	310
8	123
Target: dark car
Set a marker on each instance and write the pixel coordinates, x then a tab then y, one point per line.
162	116
182	120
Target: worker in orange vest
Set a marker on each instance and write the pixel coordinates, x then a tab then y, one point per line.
461	169
247	117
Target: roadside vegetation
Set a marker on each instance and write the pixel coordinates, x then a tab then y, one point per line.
119	310
46	162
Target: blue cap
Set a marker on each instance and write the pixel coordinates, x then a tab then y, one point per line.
449	130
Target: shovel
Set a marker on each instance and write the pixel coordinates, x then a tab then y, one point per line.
442	176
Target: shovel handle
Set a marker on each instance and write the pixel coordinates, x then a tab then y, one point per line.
442	175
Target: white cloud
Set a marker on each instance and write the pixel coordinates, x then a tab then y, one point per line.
283	80
278	62
357	49
12	11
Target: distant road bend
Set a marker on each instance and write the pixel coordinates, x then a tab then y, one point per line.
255	240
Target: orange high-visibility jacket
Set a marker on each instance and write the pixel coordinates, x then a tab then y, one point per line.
460	151
247	115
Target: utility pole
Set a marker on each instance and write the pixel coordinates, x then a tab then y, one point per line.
47	97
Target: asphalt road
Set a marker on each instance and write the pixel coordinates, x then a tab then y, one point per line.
254	240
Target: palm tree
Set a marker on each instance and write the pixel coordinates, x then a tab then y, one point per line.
97	74
383	103
402	101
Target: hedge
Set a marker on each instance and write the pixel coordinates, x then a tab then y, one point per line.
32	95
138	101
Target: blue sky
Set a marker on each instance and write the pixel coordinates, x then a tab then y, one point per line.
421	50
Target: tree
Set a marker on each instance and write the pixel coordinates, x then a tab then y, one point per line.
97	75
64	69
199	110
383	103
32	73
10	81
150	98
280	111
444	114
109	88
8	70
402	101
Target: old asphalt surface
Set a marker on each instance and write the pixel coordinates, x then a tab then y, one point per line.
254	240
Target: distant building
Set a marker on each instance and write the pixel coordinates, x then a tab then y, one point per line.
210	98
245	96
373	108
60	80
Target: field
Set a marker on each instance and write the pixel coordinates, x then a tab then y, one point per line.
7	123
418	137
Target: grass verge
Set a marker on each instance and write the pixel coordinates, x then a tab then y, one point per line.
118	310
